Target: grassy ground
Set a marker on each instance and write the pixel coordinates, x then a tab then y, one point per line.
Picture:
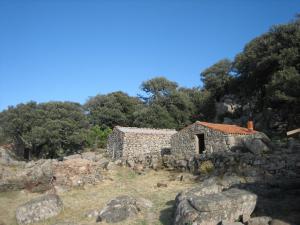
125	182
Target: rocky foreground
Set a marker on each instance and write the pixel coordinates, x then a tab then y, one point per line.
42	175
237	188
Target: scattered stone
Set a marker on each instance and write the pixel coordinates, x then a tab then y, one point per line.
231	223
184	177
279	222
139	168
182	164
77	172
155	163
130	163
92	213
119	209
159	184
103	163
38	209
76	156
91	156
65	223
143	203
44	175
119	162
111	166
262	220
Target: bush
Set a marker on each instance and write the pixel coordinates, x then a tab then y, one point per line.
206	167
97	137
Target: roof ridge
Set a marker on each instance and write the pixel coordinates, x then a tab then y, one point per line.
144	130
227	128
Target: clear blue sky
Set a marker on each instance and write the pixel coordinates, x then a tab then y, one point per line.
73	49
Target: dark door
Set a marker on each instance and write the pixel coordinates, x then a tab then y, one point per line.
201	143
26	154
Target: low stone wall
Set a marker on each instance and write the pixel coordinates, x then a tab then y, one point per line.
249	165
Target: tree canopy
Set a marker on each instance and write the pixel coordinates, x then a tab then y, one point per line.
269	66
216	79
47	129
113	109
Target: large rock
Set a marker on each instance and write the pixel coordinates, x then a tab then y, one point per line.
7	157
211	185
38	177
34	176
228	105
119	209
211	207
39	209
256	145
280	222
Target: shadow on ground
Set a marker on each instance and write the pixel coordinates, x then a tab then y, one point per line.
278	200
166	216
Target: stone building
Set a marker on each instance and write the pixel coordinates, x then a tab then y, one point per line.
207	138
132	142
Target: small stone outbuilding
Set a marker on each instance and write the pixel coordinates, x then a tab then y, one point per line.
132	142
207	138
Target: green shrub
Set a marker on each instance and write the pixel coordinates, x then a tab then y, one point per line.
206	167
97	137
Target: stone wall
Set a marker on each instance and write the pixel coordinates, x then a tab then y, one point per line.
138	143
184	143
280	163
115	144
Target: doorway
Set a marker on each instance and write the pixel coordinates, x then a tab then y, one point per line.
200	143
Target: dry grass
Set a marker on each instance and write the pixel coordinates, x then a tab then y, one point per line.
125	182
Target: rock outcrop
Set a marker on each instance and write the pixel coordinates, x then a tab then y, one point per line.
39	209
204	207
119	209
233	199
42	175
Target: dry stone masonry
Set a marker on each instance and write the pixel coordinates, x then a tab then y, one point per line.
208	138
138	143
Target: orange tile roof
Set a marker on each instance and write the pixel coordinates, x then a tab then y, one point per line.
226	128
